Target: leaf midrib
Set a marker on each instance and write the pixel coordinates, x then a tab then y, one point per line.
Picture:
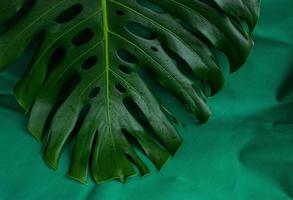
107	66
106	39
107	70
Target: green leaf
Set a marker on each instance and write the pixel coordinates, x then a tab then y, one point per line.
86	81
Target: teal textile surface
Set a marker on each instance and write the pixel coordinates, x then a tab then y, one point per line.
245	151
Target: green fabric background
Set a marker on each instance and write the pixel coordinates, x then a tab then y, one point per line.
244	152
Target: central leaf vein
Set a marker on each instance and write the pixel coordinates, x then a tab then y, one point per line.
107	70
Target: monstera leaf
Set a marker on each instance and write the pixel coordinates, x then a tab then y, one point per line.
86	81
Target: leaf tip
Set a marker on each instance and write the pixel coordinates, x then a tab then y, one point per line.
78	179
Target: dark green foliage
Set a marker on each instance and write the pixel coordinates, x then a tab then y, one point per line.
84	81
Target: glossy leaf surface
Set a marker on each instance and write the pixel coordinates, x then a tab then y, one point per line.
86	80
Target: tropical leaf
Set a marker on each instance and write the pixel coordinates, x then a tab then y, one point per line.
86	79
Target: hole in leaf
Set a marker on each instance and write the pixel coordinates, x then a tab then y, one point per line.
241	25
209	2
203	38
85	110
133	108
94	92
120	88
126	56
182	65
89	62
119	12
171	116
55	59
202	90
125	69
140	30
186	70
2	28
138	114
212	4
133	162
194	31
94	142
68	86
131	139
161	91
69	14
154	49
221	60
152	6
245	26
83	37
